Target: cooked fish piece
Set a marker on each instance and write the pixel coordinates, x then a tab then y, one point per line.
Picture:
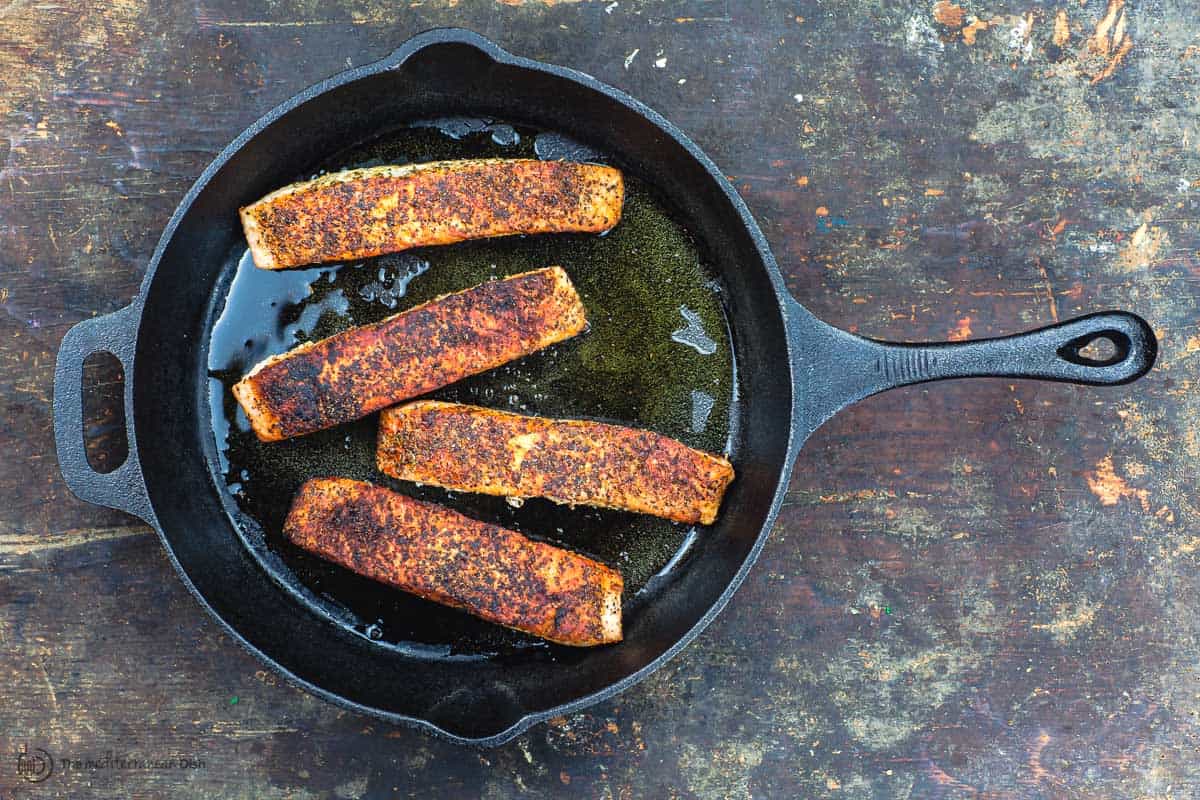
375	210
436	553
473	449
359	371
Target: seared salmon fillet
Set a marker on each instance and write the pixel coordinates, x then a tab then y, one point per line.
436	553
473	449
359	371
367	212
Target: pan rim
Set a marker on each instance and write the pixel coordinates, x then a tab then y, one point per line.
394	60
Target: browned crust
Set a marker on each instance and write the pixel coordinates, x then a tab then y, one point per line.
359	371
474	449
436	553
367	212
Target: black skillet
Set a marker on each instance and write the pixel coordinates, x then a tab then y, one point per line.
793	373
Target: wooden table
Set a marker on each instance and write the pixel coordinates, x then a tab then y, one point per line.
982	589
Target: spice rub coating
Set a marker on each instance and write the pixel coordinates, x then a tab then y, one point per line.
436	553
375	210
359	371
473	449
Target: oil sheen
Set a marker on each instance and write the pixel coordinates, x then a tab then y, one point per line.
657	355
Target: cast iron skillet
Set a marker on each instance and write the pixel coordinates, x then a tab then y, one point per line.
794	372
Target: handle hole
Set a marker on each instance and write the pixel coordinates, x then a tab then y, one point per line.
1100	349
104	439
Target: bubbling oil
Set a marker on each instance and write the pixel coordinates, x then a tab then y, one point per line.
642	283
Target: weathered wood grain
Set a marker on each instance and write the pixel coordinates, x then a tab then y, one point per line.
981	590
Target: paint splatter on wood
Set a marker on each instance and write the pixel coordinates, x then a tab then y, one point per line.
1069	621
1111	488
1144	246
971	31
1110	40
951	15
1062	29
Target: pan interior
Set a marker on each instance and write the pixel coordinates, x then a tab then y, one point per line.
657	354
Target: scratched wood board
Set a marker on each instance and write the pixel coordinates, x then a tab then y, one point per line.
980	589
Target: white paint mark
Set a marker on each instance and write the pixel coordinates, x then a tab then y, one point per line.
661	63
1020	40
608	9
24	544
920	36
799	98
682	81
629	58
49	686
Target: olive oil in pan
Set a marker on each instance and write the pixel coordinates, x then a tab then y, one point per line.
657	355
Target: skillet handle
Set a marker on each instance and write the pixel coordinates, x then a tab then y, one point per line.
849	367
124	488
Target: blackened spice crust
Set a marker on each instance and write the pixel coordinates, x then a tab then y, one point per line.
362	370
436	553
368	212
475	449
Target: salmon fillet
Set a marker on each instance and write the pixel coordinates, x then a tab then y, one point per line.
359	371
436	553
473	449
367	212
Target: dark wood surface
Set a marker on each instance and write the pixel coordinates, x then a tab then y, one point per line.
980	589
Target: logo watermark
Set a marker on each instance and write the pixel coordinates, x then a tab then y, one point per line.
36	764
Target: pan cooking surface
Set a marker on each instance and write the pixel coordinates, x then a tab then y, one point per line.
657	355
